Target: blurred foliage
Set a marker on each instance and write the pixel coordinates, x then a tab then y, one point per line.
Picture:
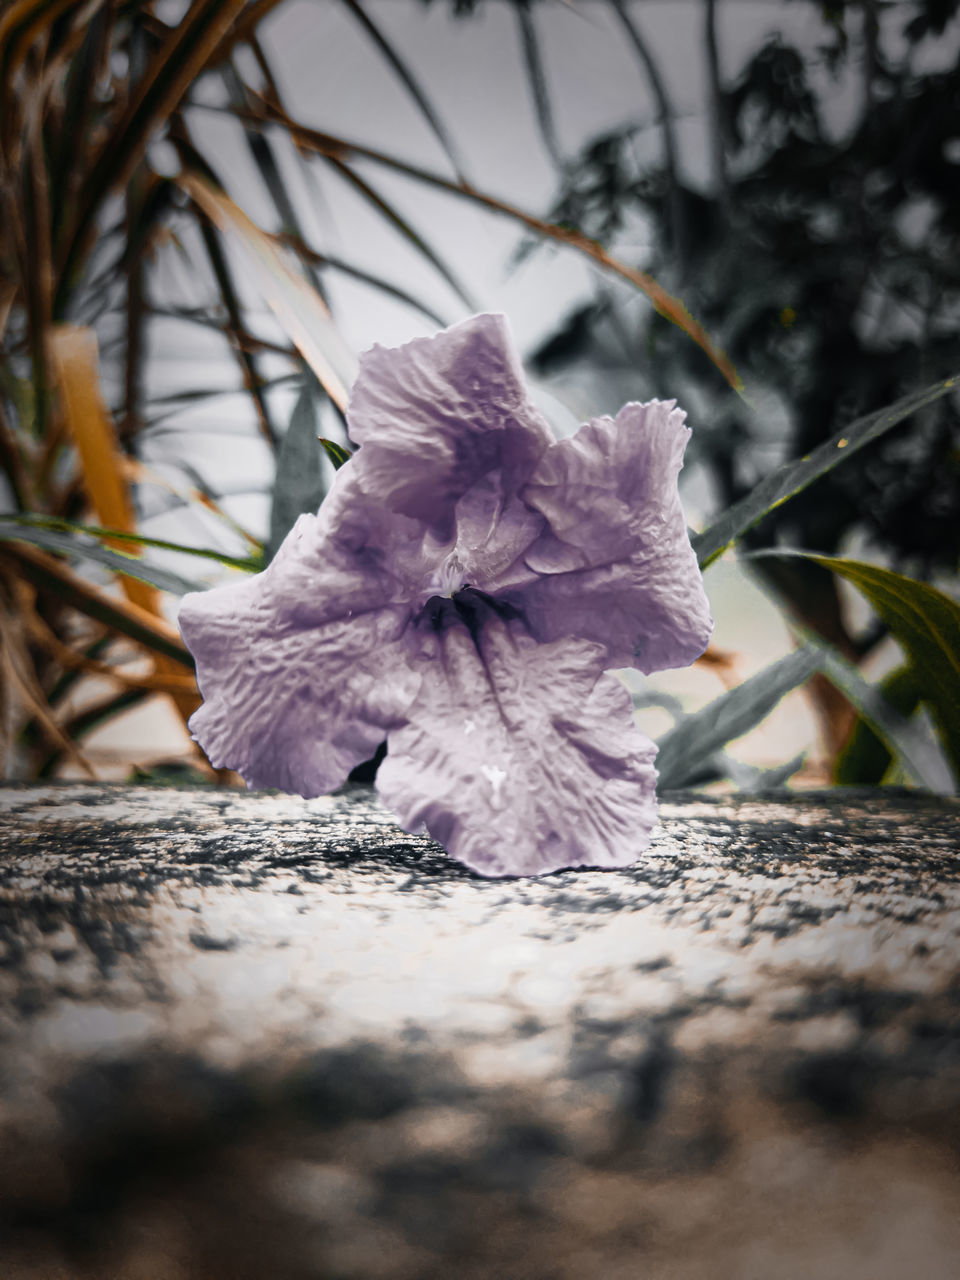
823	260
820	266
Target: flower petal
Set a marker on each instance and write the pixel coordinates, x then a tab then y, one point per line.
614	563
521	758
435	416
303	667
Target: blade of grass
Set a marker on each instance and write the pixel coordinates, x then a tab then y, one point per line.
85	72
32	698
261	153
68	680
300	483
199	494
667	119
252	381
133	312
31	233
246	25
8	293
291	230
246	340
866	758
795	476
23	23
335	452
12	464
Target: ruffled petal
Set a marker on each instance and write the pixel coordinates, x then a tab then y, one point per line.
439	414
520	758
304	667
613	563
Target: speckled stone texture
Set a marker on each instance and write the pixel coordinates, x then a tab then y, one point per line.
248	1036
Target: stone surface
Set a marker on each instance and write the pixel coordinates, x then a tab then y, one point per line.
254	1036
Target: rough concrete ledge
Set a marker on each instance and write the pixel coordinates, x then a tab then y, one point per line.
248	1036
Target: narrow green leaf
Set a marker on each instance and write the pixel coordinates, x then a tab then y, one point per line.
299	485
88	549
337	454
866	757
687	748
917	753
926	623
31	520
794	476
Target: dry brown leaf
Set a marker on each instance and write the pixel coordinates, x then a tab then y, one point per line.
293	300
18	676
75	359
128	619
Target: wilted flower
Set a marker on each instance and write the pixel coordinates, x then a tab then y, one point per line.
462	592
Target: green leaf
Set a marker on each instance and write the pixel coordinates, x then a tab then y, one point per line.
72	545
335	452
792	477
687	749
866	757
300	484
917	753
926	623
32	520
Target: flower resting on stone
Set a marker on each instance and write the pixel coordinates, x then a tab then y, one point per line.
463	592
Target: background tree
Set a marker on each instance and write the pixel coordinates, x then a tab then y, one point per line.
824	262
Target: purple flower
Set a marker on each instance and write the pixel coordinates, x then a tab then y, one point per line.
463	591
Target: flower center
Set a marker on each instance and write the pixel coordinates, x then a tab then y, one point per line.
451	576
